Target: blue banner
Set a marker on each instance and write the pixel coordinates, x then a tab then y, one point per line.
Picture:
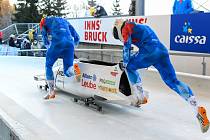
190	33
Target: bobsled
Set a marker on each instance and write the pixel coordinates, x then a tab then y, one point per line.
98	80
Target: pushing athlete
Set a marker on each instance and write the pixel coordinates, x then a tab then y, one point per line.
64	40
152	53
182	7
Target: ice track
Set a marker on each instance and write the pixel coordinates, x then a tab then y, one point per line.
165	117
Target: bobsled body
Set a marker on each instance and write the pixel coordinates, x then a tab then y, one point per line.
98	79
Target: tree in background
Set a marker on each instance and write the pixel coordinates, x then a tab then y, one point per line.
32	10
76	9
26	11
132	8
47	7
5	13
116	9
60	7
53	7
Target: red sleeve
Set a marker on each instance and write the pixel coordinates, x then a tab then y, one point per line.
42	23
1	34
127	31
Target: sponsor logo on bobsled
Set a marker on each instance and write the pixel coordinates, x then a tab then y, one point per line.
115	69
108	82
88	84
60	81
188	37
60	73
90	77
94	77
107	89
114	73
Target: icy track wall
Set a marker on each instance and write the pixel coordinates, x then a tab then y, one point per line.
184	33
6	130
199	84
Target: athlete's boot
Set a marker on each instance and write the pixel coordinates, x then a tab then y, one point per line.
203	120
138	97
51	94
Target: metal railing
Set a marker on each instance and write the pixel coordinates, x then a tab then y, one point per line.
204	68
113	52
201	5
18	29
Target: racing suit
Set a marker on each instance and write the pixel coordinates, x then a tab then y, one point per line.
64	39
182	7
151	53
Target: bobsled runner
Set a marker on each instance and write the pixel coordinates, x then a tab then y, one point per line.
98	80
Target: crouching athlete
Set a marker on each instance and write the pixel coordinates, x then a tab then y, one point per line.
64	40
152	53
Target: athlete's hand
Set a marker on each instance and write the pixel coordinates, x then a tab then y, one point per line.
76	44
47	46
125	65
70	72
122	66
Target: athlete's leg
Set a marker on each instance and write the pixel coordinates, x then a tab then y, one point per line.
142	59
51	56
68	58
168	75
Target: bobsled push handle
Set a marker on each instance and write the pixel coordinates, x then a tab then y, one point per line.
121	65
39	78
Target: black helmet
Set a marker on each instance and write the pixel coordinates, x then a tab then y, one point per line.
117	29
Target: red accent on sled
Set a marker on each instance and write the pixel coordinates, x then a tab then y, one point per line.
114	74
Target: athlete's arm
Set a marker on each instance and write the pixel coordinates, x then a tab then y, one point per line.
45	37
44	33
74	34
174	7
126	34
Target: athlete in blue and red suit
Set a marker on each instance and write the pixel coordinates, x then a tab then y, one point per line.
182	7
64	39
151	53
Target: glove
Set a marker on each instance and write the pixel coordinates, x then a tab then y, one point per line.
70	72
122	67
76	44
47	46
125	65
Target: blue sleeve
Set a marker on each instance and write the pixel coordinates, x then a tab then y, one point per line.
45	37
126	51
74	34
174	7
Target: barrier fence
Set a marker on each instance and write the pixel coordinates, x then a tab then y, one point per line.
108	55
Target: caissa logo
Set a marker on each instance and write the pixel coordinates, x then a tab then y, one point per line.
188	37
